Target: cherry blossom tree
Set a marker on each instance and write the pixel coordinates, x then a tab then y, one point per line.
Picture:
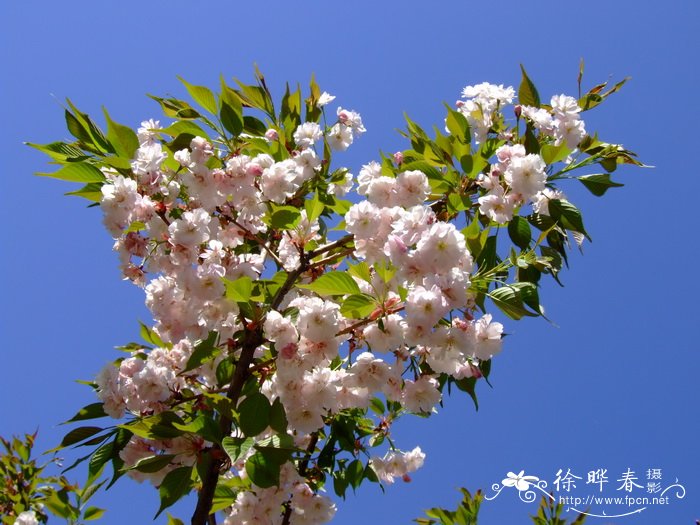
299	309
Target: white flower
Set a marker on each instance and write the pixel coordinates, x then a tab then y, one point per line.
324	99
421	395
307	134
526	175
279	181
497	206
352	119
191	230
340	137
412	188
565	107
28	517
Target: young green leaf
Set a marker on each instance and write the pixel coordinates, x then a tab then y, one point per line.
598	183
333	283
77	172
176	484
122	138
254	414
527	93
202	95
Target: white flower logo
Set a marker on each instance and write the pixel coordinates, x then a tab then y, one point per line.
519	481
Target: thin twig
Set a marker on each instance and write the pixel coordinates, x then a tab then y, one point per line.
328	247
303	466
365	321
332	258
260	242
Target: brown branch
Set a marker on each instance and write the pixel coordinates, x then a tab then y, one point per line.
330	246
303	466
332	258
350	329
251	340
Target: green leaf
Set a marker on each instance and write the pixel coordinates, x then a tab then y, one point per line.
175	108
458	125
95	136
204	351
60	151
567	215
361	271
278	417
509	300
284	217
153	463
277	448
354	473
377	406
261	471
175	485
119	163
256	97
551	153
92	411
314	208
236	447
488	256
254	126
77	435
203	425
77	172
358	306
122	138
231	119
174	521
527	93
93	513
224	372
184	126
202	95
333	283
519	231
254	414
150	336
598	183
466	162
76	128
290	111
239	290
101	456
231	110
457	202
224	496
91	192
468	385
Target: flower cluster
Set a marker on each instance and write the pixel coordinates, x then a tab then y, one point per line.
292	326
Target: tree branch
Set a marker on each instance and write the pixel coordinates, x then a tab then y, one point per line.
251	340
328	247
303	466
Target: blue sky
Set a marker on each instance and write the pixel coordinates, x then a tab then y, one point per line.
613	385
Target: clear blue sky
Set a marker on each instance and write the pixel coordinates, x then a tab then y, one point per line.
613	385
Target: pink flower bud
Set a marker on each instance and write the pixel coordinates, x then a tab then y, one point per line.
289	350
398	158
271	135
